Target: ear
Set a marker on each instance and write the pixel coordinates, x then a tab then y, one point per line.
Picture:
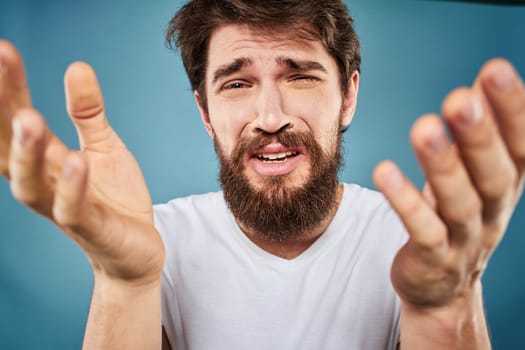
350	99
204	115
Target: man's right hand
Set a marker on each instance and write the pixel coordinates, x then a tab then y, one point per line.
97	195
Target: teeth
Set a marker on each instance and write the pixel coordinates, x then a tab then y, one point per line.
276	156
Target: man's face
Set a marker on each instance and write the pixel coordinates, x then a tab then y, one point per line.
275	108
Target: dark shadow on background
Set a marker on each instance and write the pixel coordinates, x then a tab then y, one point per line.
488	2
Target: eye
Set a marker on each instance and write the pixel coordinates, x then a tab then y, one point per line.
304	79
235	85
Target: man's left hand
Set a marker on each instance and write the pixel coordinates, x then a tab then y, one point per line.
473	185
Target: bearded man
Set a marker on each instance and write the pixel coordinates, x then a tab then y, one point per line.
285	257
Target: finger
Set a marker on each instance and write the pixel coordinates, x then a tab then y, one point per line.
426	230
13	83
14	95
456	199
429	196
68	208
482	150
85	105
505	93
30	141
71	210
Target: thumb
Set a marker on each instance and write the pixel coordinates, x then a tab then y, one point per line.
85	106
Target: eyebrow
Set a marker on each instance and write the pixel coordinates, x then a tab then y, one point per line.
301	65
239	63
231	68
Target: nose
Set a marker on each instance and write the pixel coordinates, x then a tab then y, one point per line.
270	115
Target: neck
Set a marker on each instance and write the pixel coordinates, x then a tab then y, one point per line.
292	248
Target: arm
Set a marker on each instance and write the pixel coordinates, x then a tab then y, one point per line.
454	225
97	196
124	317
461	327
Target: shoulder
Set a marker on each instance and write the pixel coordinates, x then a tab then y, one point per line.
370	209
189	212
188	204
364	199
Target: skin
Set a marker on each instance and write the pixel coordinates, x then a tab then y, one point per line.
111	222
267	95
454	225
473	185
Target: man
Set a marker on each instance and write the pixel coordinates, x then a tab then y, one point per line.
287	257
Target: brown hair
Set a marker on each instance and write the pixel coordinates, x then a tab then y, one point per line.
326	21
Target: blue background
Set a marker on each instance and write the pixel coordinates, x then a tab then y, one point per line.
413	53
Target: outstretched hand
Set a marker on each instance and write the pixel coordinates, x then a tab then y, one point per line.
473	186
96	195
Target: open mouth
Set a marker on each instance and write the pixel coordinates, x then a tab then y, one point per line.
276	157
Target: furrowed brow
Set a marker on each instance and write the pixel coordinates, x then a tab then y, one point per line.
300	65
230	68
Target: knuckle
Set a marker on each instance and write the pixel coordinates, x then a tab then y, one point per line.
454	272
472	208
67	209
464	212
433	239
24	194
61	219
455	98
64	217
412	208
496	187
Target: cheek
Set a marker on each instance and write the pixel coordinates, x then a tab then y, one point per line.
228	123
321	116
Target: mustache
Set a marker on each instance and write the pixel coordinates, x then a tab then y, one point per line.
284	137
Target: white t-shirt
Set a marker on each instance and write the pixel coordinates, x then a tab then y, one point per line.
221	291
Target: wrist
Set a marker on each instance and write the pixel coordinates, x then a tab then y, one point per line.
458	325
135	267
108	284
124	312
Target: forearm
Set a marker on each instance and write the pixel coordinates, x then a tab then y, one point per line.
461	326
124	317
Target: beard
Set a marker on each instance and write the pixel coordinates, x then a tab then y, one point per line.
280	210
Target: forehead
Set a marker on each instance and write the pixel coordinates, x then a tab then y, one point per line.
234	41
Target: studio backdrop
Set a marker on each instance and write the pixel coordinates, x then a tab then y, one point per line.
414	52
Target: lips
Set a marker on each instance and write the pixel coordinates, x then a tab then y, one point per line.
276	160
276	157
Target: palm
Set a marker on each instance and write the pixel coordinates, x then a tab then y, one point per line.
108	212
124	227
116	180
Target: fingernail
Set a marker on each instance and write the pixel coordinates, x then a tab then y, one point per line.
67	171
21	136
394	180
504	78
474	112
438	140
